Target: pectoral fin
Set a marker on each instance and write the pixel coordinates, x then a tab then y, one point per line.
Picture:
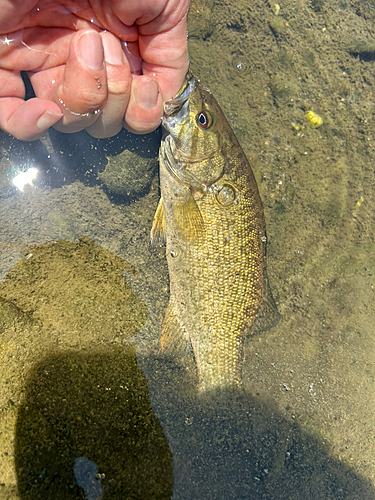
189	218
158	226
173	340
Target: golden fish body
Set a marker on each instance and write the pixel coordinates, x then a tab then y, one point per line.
210	215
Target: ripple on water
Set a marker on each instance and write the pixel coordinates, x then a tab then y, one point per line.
240	64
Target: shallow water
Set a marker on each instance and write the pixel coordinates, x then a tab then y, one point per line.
89	409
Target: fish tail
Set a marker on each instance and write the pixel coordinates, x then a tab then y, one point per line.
219	364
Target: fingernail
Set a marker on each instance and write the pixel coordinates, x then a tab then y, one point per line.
146	94
112	49
47	119
91	50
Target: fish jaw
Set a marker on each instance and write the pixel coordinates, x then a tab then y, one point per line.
176	110
181	97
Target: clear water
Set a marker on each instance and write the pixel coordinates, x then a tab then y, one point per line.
88	408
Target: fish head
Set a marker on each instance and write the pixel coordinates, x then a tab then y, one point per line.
193	124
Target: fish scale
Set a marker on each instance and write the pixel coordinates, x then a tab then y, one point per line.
211	217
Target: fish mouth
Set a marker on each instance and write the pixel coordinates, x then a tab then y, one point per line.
182	96
176	110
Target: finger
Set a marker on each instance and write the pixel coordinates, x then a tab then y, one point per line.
81	89
28	120
145	108
165	57
34	49
119	80
25	120
18	14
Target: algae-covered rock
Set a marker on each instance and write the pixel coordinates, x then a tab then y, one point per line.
199	21
77	291
277	25
283	88
128	174
124	164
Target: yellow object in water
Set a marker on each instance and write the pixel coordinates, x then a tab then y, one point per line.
296	126
211	218
314	119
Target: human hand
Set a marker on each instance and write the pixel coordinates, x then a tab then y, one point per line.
92	65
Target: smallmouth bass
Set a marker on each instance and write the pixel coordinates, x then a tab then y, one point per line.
210	216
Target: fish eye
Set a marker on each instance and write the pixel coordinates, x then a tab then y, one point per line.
204	120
